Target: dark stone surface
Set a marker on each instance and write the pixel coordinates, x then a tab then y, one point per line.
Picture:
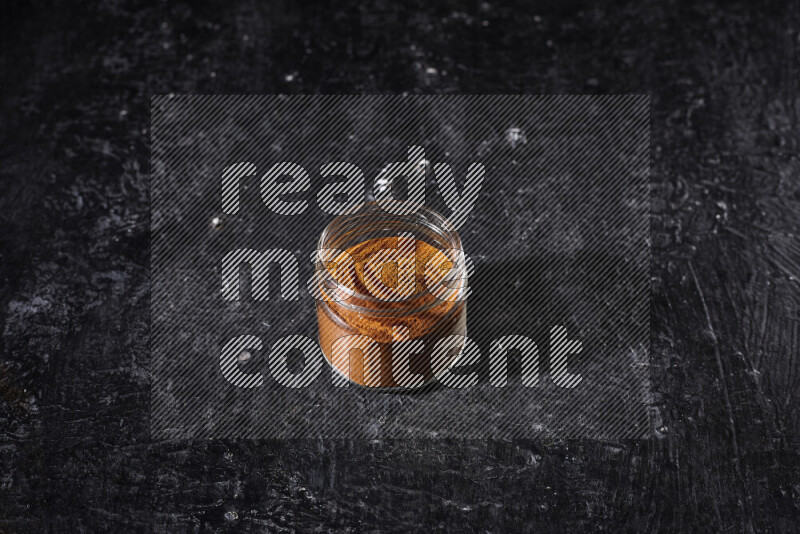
75	452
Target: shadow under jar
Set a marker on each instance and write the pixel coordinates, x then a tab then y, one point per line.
400	279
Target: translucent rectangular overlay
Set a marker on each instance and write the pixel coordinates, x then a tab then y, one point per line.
551	198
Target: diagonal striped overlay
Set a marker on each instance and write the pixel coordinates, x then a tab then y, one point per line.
556	228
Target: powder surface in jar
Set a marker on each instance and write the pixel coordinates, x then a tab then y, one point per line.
365	282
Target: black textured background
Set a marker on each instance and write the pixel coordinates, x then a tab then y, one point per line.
75	453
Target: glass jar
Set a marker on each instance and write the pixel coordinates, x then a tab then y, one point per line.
399	290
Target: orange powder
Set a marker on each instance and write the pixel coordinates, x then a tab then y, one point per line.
422	316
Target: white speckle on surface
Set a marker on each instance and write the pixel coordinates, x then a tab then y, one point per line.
382	184
516	136
231	515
